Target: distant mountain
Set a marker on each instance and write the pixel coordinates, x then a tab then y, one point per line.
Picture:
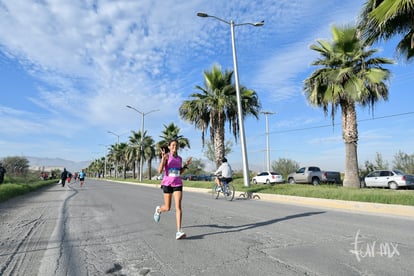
40	162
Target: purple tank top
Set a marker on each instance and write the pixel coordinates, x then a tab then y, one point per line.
172	169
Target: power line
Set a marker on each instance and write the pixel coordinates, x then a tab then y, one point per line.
336	124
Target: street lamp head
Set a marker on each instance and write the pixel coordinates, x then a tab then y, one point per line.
256	24
202	14
259	24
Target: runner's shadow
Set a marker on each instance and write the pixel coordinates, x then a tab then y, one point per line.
240	228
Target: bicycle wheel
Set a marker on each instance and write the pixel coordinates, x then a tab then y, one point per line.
214	192
229	192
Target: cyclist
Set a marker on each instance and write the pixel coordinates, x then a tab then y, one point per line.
225	171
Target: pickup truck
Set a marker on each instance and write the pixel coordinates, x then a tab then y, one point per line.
314	175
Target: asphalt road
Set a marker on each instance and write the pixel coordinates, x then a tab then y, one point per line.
107	228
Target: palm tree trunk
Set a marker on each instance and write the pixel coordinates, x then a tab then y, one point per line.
149	168
350	136
139	167
219	140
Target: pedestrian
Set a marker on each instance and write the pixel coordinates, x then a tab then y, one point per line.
64	176
69	177
172	184
81	177
2	173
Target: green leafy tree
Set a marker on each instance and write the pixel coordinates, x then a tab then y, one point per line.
209	150
196	167
403	161
215	104
284	166
379	164
383	19
347	75
369	167
16	165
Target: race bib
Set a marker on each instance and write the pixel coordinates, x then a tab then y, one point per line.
174	172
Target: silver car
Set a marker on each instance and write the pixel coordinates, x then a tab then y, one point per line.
392	179
268	178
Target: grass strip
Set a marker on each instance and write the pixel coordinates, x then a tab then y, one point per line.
326	191
11	190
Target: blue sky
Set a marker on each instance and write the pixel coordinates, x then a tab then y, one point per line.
69	68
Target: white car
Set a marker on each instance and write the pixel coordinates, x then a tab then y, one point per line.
392	179
157	177
268	178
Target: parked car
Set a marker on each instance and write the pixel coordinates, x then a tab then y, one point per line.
158	177
314	175
268	178
392	179
205	177
189	177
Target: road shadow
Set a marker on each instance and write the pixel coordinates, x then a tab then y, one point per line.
239	228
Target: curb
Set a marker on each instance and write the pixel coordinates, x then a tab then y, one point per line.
355	206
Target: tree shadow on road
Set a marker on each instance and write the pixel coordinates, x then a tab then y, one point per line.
240	228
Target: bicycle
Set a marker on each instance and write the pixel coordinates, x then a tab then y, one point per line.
226	188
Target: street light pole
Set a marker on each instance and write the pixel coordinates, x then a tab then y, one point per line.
142	137
267	138
117	144
246	176
115	135
105	153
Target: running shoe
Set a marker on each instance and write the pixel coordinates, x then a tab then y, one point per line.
179	235
157	214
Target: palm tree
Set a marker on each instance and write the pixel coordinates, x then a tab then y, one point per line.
172	132
348	75
134	149
215	104
123	157
149	152
383	19
113	158
96	166
136	140
118	154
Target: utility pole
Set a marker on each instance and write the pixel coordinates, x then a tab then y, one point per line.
267	113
